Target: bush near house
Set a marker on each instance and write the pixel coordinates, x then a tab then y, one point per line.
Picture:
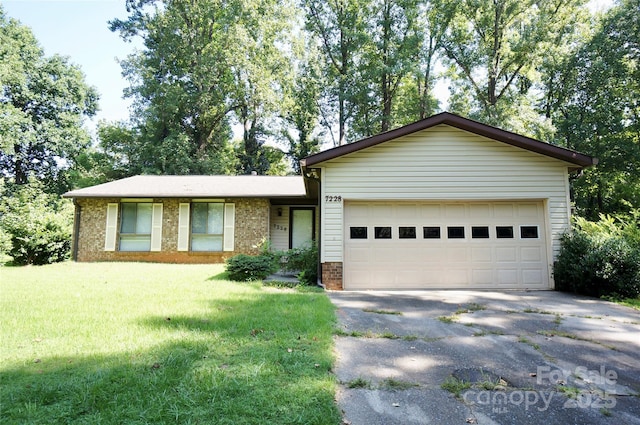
601	258
244	268
303	261
35	227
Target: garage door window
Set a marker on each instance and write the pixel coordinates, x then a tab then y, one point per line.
455	232
358	232
529	232
480	232
504	232
383	232
407	232
431	232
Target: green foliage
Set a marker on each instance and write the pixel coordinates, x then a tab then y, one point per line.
243	267
601	258
594	100
43	101
38	225
496	49
204	67
304	261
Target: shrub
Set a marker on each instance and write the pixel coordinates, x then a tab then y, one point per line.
600	259
244	267
37	225
304	261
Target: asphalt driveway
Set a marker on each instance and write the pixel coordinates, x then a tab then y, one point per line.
458	357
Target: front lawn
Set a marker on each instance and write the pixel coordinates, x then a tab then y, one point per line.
115	343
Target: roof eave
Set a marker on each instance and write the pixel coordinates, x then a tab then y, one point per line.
459	122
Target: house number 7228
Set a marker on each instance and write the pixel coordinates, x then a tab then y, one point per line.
333	198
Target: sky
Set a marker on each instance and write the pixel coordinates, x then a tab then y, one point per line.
79	29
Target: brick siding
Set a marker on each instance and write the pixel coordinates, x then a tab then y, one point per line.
332	276
251	229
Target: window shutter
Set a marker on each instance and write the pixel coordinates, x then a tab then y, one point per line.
112	227
229	226
183	227
156	228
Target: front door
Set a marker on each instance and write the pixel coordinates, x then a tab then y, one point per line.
302	226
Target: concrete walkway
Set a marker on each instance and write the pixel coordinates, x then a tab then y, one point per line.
502	358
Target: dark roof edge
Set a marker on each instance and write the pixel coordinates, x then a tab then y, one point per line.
70	194
533	145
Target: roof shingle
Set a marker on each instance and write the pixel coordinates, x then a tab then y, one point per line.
196	187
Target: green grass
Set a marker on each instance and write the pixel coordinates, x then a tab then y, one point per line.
448	319
391	312
455	386
394	384
359	383
115	343
630	302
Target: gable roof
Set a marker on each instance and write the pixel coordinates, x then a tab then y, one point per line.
578	159
196	187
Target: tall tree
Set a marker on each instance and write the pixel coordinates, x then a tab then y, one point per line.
262	73
301	112
390	53
204	63
339	26
495	48
594	101
43	103
180	82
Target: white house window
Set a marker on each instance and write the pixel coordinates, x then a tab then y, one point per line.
207	226
135	226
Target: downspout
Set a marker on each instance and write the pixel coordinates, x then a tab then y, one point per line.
311	176
76	230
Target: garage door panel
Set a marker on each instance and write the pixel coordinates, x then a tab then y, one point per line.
506	254
507	276
358	254
430	211
457	277
432	255
532	253
455	210
480	211
528	210
436	261
457	254
482	276
483	254
531	276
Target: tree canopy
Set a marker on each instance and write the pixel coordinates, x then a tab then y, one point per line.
43	103
234	87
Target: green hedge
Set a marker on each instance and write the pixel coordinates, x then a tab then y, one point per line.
245	268
35	227
600	258
304	261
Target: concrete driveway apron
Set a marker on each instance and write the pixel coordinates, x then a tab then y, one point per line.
457	357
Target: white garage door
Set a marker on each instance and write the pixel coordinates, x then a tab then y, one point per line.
484	245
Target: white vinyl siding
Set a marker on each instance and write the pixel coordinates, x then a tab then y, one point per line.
183	227
279	231
442	163
111	228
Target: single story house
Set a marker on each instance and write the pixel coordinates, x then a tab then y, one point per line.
445	202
